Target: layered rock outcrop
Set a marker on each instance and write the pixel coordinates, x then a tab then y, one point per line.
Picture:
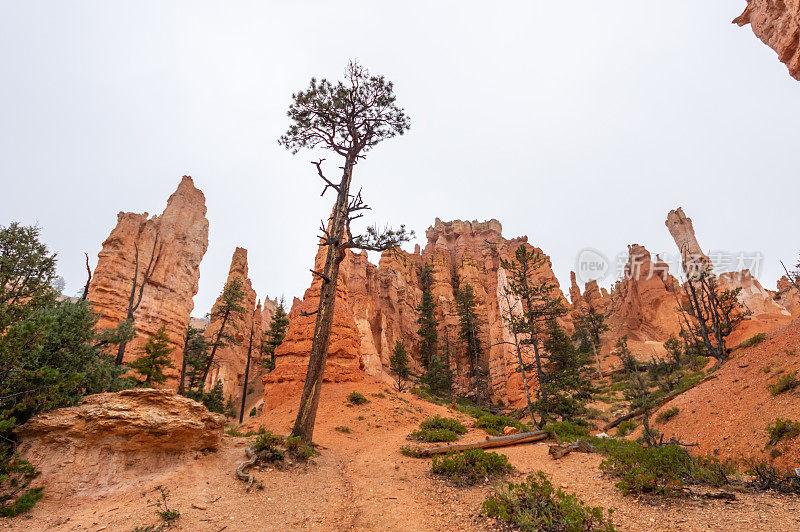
643	303
230	361
376	306
344	362
178	238
777	24
112	440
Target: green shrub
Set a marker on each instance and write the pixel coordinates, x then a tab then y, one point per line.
784	382
425	393
567	430
782	429
343	428
625	428
299	450
405	450
253	412
23	503
754	340
379	395
768	477
666	415
356	398
535	505
16	495
663	470
494	424
163	511
471	466
447	423
268	447
433	435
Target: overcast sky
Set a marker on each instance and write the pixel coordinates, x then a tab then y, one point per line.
578	124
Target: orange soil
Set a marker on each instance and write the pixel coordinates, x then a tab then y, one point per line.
728	415
361	482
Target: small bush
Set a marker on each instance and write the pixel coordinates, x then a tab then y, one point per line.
379	395
494	424
535	505
568	431
470	467
447	423
784	383
433	435
782	429
268	447
24	502
625	428
768	477
666	415
754	340
405	450
253	412
343	428
663	470
300	451
164	512
356	398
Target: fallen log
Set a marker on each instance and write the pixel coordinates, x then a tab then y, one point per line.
666	399
500	441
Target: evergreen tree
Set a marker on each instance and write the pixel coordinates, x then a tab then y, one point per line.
428	335
195	358
229	306
398	364
50	354
274	336
541	305
567	387
469	333
214	400
156	358
349	118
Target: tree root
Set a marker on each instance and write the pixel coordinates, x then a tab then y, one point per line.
252	458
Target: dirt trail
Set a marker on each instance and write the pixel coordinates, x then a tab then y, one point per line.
361	482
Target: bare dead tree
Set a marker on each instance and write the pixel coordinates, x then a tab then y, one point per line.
88	280
348	118
133	300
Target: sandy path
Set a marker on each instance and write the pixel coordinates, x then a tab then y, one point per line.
361	482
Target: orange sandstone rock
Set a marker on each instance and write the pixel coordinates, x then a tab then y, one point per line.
777	24
182	231
112	440
229	361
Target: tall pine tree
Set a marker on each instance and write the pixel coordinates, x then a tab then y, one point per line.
428	335
469	333
274	336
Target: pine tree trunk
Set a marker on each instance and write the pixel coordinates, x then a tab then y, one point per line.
309	401
182	383
247	370
214	348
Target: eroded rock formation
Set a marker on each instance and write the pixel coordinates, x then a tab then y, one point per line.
112	440
643	305
229	361
344	362
777	24
179	237
376	306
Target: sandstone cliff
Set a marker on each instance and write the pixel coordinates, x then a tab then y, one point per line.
229	361
777	24
182	240
376	306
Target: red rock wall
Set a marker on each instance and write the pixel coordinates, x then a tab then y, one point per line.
168	296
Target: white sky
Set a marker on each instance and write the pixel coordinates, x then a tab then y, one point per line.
579	124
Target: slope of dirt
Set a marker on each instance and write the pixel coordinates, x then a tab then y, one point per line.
361	482
728	415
